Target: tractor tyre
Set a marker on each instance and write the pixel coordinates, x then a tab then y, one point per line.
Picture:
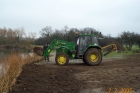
62	59
93	57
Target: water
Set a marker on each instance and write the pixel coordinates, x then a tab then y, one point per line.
5	52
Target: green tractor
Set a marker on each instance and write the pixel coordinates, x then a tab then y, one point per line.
86	48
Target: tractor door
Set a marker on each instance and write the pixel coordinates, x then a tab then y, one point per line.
82	44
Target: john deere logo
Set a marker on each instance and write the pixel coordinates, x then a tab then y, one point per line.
73	55
49	50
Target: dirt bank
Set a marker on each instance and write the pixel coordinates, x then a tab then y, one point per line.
78	78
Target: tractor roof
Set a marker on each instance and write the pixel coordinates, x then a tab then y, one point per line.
87	35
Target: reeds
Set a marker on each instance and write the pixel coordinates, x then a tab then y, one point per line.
12	67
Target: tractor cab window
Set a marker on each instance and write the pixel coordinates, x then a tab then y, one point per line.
94	40
84	42
87	40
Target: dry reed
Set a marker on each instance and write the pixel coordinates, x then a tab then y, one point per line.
12	67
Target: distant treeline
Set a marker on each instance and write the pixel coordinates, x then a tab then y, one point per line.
15	38
126	38
18	37
68	34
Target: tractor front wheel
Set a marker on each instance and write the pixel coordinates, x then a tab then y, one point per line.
93	57
62	59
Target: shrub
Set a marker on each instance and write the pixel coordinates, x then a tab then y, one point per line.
12	67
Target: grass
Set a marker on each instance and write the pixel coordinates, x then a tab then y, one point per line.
36	45
11	69
114	54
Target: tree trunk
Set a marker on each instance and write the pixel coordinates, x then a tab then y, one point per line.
126	47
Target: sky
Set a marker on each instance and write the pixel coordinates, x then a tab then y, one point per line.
111	17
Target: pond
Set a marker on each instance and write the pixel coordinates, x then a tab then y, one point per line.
5	52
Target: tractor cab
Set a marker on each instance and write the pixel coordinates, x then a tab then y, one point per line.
83	43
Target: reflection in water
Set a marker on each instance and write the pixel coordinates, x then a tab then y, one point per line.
24	55
5	53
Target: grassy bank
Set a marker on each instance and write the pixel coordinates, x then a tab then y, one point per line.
12	67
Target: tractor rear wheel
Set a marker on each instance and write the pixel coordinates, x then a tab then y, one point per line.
93	57
62	59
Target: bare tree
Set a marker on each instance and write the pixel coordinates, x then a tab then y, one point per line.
46	32
30	39
65	30
138	39
2	35
18	35
128	39
9	36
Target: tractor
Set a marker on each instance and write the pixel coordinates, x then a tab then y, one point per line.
86	48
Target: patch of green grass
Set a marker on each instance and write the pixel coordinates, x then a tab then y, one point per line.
122	53
118	55
134	47
36	45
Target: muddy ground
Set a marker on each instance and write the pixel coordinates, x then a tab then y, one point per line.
111	75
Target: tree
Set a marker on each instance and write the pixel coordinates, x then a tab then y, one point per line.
72	34
39	41
15	37
18	36
30	39
57	35
64	32
46	31
10	36
128	39
2	35
138	39
89	30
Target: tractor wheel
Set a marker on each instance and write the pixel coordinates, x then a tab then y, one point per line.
62	59
93	57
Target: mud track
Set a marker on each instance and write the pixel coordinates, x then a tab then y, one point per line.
79	78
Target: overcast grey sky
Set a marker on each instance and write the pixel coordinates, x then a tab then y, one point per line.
108	16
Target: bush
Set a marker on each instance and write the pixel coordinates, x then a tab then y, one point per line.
12	67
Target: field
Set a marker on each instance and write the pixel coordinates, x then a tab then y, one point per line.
113	75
